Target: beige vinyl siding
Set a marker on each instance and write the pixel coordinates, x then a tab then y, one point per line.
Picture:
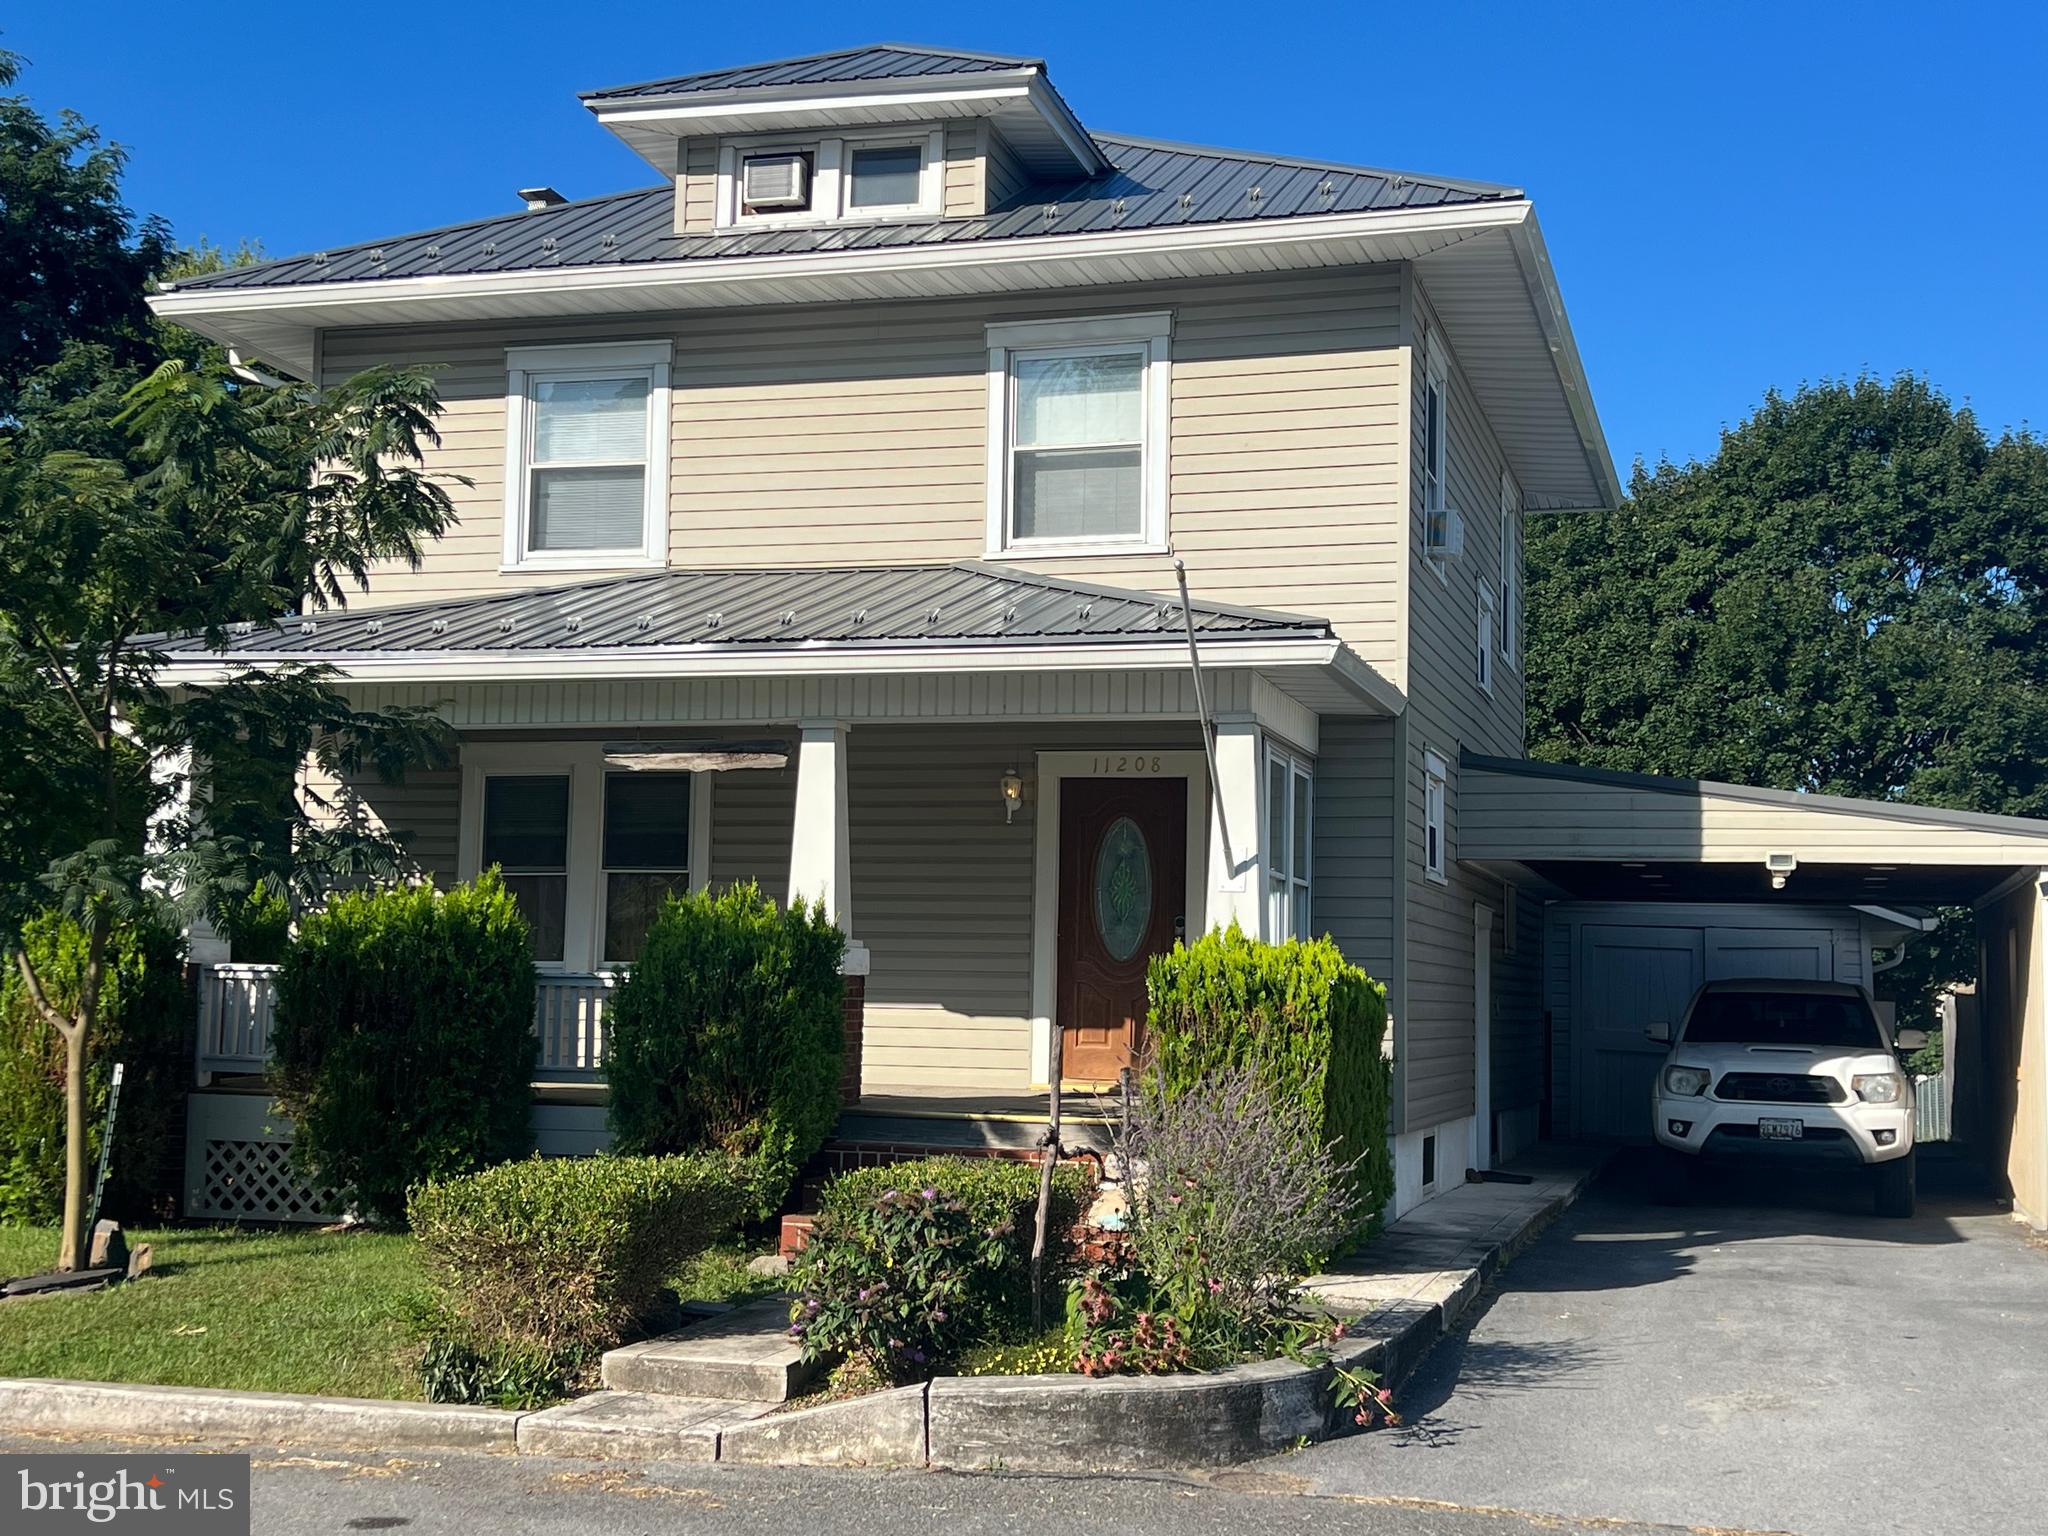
696	186
963	190
2013	1015
1353	857
752	813
1003	173
423	813
1447	712
1523	817
838	434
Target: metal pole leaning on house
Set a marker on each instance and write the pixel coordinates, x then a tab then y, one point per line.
1187	619
1047	1162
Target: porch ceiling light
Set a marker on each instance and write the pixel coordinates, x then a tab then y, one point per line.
1013	794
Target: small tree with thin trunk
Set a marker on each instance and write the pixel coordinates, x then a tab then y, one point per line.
189	503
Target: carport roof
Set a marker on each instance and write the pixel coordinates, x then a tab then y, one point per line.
1602	835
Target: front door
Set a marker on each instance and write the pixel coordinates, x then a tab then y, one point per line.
1123	890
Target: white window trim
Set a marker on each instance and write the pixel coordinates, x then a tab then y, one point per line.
832	177
1510	572
1436	485
1489	618
1007	341
583	762
524	367
1436	811
1300	776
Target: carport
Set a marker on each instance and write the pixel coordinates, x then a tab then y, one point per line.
1653	886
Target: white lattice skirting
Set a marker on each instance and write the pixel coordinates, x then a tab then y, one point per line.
238	1164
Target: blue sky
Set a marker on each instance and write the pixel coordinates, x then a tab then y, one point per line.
1737	196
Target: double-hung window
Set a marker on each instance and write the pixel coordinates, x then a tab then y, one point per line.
1077	435
526	834
586	482
1435	856
1440	535
646	855
1483	672
1289	796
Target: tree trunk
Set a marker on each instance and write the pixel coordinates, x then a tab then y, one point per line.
73	1252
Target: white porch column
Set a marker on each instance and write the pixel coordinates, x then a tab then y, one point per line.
1237	874
820	853
203	944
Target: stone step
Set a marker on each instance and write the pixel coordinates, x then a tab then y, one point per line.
742	1355
635	1426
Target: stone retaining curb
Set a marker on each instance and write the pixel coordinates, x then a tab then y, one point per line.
118	1409
1020	1423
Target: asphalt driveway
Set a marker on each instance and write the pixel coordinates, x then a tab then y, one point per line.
1769	1358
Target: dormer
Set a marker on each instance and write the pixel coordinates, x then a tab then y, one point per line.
880	134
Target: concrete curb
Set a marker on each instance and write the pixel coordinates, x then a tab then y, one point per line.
116	1409
1020	1423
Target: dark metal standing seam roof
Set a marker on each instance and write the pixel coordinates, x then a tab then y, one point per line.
876	61
1151	185
936	605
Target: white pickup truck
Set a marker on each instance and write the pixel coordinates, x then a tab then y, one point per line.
1786	1071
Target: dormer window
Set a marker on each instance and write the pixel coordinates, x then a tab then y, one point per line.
859	177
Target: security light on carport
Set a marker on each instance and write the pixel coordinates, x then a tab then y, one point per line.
1781	866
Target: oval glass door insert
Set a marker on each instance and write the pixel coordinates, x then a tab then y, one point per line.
1123	889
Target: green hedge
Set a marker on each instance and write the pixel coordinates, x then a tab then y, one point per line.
561	1256
145	1012
404	1038
727	1035
1305	1019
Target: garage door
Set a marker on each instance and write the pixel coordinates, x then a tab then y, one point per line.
1631	977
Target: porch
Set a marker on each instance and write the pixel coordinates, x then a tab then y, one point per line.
1000	787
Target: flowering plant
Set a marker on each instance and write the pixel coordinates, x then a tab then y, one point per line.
898	1286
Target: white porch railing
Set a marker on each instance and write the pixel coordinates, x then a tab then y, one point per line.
568	1019
235	1007
236	1003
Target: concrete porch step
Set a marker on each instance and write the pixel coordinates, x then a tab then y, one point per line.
743	1355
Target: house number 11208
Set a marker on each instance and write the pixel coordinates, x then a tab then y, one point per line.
1128	762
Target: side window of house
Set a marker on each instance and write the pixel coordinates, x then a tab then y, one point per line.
1435	857
1077	435
587	438
646	855
1440	533
1483	668
1289	796
1510	573
526	834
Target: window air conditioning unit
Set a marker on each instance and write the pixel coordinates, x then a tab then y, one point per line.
776	181
1444	536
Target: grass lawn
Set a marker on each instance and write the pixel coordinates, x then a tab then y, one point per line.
261	1311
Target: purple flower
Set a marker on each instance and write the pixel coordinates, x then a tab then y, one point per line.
931	1194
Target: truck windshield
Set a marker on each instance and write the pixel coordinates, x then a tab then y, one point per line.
1784	1018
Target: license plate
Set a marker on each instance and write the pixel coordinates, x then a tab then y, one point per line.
1781	1130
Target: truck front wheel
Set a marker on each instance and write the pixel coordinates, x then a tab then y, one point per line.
1896	1183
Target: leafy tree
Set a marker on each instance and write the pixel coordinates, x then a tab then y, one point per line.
1849	597
231	503
73	259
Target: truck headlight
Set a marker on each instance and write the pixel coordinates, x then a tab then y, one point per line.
1686	1082
1879	1087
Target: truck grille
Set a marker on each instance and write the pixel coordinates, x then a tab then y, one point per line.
1778	1088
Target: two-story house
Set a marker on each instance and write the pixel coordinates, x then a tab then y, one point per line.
823	511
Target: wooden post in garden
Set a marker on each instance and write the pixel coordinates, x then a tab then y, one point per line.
1047	1163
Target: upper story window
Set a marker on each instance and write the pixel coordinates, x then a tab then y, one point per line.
586	482
1077	435
1488	635
1510	573
886	174
1443	535
1435	855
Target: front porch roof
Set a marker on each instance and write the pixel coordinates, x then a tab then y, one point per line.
963	616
